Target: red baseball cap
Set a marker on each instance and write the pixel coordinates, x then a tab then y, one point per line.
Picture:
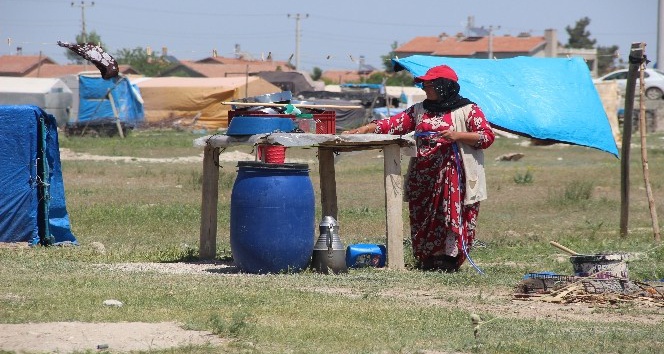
438	72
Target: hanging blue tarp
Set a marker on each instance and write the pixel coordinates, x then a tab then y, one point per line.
94	101
32	199
543	98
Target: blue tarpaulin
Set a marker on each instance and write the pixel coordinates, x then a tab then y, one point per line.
95	103
543	98
32	198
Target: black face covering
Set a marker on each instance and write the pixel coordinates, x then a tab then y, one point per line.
448	97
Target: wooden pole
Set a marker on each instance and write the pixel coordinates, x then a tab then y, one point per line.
635	59
644	157
328	183
393	205
246	83
267	104
208	237
118	124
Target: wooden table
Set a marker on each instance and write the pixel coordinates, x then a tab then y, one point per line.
327	145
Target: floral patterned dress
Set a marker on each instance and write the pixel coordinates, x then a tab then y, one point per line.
440	222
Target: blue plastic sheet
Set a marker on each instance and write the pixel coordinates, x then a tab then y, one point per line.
18	175
94	102
28	214
544	98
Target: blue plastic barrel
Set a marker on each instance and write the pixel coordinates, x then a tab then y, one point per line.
272	217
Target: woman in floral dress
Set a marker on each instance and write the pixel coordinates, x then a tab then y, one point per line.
446	180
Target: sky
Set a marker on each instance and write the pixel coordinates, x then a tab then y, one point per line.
333	34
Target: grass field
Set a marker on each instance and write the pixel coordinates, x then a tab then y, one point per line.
149	212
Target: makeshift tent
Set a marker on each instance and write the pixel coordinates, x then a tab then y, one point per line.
113	98
543	98
32	200
345	118
407	96
51	94
292	81
186	97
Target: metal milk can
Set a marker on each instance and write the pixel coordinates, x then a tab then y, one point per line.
329	252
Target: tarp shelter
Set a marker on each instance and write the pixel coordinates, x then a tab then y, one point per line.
32	198
345	118
51	94
292	81
185	97
112	98
407	96
543	98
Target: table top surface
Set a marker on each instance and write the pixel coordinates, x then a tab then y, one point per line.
307	139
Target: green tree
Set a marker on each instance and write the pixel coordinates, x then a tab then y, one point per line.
150	64
387	59
606	59
401	78
578	36
91	37
316	73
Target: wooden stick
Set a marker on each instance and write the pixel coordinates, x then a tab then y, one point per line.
635	54
557	245
269	104
644	157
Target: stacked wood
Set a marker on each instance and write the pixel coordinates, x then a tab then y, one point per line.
565	290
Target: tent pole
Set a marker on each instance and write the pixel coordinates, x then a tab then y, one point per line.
115	114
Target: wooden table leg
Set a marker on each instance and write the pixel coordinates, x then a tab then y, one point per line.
393	206
328	183
208	236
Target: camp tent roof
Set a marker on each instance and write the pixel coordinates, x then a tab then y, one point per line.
292	81
30	85
185	97
226	82
50	94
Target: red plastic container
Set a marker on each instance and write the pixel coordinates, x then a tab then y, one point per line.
325	121
272	153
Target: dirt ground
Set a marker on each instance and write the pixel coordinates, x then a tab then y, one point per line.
69	337
232	156
67	154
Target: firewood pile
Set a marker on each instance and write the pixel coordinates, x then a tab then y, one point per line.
574	289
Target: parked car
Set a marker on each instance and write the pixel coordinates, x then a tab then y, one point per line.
654	82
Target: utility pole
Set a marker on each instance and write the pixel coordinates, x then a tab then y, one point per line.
82	6
491	41
297	38
659	60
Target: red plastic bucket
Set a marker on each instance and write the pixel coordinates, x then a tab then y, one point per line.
272	153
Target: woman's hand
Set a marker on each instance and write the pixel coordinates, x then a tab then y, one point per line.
369	128
449	135
470	138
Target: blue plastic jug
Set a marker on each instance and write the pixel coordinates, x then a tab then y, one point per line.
365	255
